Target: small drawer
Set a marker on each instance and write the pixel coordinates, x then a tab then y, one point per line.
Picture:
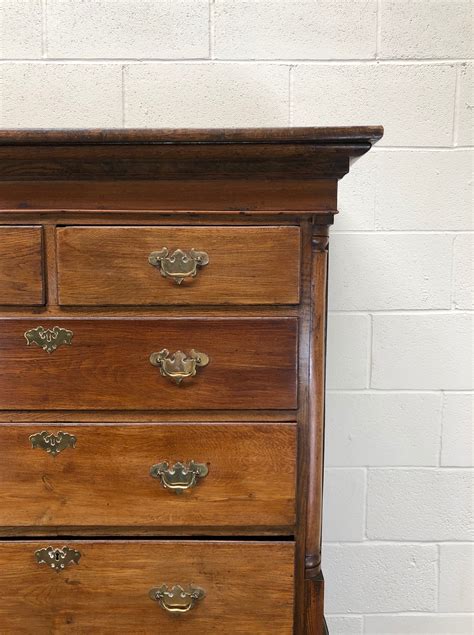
148	364
110	587
178	265
21	266
183	478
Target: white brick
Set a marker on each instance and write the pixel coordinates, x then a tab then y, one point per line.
422	351
348	350
356	195
60	96
456	578
419	504
426	190
285	29
365	578
20	29
421	29
345	625
390	271
344	504
464	134
458	430
180	95
383	429
419	625
128	28
463	271
414	102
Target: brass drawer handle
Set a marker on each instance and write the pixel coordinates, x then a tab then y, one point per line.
48	339
177	599
53	443
180	264
57	559
178	366
180	476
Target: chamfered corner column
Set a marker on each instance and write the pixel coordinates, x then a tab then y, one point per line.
314	581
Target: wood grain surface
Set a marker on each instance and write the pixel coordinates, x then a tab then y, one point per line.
252	365
105	482
109	265
248	585
21	266
301	134
205	196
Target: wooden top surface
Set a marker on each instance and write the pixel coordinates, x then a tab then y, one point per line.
319	136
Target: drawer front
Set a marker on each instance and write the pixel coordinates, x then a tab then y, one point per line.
235	265
98	364
21	266
107	587
116	477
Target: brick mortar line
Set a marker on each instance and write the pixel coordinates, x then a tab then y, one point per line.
401	312
456	105
212	42
401	232
438	576
406	468
271	62
404	614
384	543
44	30
378	29
401	391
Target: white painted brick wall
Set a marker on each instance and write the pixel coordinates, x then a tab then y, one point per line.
344	505
457	577
392	429
123	29
386	578
415	101
457	439
398	554
419	504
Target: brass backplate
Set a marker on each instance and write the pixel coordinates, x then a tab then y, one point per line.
49	339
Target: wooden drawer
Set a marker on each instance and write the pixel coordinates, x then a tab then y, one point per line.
248	588
106	364
110	265
21	266
112	478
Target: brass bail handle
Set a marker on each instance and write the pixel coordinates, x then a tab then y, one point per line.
180	476
180	264
178	366
177	599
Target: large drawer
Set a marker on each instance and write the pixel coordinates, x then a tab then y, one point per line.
110	478
229	265
97	364
237	588
21	266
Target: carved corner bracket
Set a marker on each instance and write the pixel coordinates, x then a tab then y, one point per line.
319	242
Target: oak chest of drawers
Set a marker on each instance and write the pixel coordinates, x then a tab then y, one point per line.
162	336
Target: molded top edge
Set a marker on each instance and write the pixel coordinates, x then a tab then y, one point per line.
348	135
